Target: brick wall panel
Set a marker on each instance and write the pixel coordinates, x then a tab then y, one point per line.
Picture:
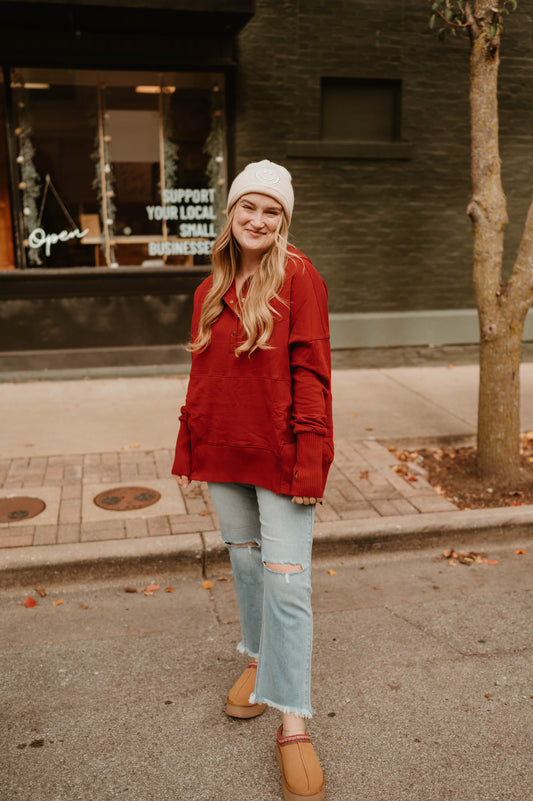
387	235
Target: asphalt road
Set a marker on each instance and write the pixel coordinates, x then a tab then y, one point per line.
422	686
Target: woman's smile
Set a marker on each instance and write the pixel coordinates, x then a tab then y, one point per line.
256	221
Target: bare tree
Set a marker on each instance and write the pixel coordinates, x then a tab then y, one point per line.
502	308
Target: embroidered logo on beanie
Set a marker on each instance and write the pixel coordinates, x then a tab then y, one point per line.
267	176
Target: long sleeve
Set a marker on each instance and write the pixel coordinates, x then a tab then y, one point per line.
182	456
310	359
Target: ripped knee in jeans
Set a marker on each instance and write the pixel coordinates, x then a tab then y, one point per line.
283	568
243	544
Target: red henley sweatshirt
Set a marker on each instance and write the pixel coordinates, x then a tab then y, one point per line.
263	419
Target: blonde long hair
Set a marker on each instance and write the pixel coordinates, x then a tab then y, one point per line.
257	313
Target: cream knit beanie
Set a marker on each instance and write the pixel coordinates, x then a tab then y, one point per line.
265	178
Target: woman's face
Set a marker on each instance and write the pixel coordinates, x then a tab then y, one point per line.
255	222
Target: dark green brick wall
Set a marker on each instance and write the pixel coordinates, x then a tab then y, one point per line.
388	235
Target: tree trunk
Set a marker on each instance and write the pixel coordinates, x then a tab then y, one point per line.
499	323
498	437
501	309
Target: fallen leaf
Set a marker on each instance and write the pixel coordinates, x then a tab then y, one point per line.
364	475
491	561
391	448
369	428
520	551
529	435
57	602
412	478
147	592
29	603
401	469
223	578
207	585
83	606
464	558
204	513
152	588
41	591
130	589
332	572
170	589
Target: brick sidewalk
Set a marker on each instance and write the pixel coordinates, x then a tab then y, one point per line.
362	484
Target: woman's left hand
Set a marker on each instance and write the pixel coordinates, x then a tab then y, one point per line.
306	501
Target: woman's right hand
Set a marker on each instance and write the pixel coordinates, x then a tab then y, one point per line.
183	481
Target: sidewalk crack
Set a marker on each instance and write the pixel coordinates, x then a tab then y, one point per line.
212	599
427	633
203	557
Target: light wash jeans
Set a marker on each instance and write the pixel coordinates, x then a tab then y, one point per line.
274	608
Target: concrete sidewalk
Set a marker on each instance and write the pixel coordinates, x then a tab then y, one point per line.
64	442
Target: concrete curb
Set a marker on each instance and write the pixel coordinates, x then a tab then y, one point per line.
437	529
90	560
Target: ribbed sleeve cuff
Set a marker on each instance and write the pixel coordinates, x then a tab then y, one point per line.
307	480
182	456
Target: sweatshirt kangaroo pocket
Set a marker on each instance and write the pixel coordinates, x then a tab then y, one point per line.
240	412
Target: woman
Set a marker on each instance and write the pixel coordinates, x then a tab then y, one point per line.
257	426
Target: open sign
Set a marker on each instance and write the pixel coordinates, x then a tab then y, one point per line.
39	237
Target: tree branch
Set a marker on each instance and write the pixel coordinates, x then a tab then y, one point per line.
450	22
474	28
520	287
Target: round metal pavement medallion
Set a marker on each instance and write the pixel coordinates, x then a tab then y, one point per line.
14	509
126	499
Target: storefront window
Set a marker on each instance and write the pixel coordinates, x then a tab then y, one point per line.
119	168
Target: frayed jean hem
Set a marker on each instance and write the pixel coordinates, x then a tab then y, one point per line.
242	649
287	710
